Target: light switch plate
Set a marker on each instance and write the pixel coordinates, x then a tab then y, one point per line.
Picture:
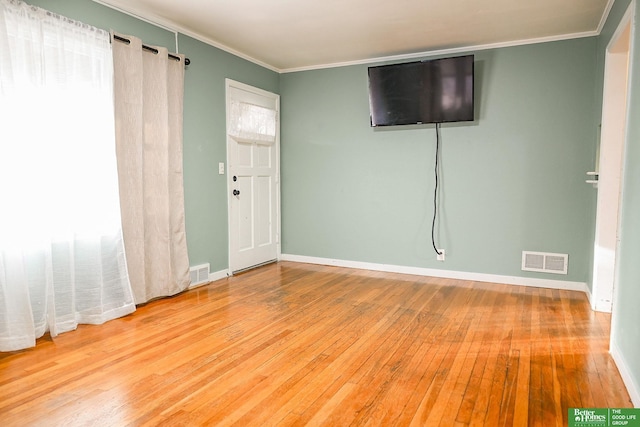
221	168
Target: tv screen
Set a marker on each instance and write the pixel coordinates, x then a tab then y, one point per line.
435	91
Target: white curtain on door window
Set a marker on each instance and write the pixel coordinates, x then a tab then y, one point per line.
149	90
62	257
251	122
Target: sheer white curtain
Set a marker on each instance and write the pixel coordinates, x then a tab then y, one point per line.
251	122
149	89
62	258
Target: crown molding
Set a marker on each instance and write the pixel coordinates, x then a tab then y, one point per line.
123	7
170	26
448	51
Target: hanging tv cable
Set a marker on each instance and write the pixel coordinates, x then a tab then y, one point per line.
435	192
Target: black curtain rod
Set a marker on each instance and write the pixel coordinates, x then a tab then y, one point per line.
187	61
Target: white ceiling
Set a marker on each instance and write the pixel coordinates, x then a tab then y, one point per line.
289	35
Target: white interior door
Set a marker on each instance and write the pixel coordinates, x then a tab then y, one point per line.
252	177
613	134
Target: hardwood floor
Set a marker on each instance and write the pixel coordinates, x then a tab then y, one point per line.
297	344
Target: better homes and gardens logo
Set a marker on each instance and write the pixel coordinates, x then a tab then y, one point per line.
603	417
589	417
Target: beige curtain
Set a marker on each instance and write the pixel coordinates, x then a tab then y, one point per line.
149	92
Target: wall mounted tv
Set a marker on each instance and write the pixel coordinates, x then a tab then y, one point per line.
434	91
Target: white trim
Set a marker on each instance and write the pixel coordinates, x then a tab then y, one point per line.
252	89
216	275
627	19
135	13
227	181
186	32
155	21
589	296
442	52
447	274
230	83
605	16
605	283
633	388
175	28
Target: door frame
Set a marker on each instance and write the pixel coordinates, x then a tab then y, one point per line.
229	183
612	150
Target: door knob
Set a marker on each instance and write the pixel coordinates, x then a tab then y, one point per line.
236	192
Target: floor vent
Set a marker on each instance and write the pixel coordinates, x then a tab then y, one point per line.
199	274
545	262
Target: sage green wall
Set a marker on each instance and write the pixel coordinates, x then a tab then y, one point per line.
626	313
204	120
511	181
205	145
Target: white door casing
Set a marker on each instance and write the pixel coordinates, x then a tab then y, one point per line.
253	189
610	165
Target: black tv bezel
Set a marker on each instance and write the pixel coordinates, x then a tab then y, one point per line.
413	63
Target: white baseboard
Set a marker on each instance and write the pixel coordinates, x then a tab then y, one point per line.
216	275
589	297
632	386
447	274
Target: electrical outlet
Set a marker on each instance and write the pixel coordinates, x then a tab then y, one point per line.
221	168
441	256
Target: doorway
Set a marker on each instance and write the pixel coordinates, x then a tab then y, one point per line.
253	151
610	164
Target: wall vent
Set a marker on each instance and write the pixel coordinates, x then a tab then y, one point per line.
199	274
545	262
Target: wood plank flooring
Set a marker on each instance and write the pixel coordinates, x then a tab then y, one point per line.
295	344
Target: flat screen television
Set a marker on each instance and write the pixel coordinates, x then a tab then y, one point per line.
434	91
